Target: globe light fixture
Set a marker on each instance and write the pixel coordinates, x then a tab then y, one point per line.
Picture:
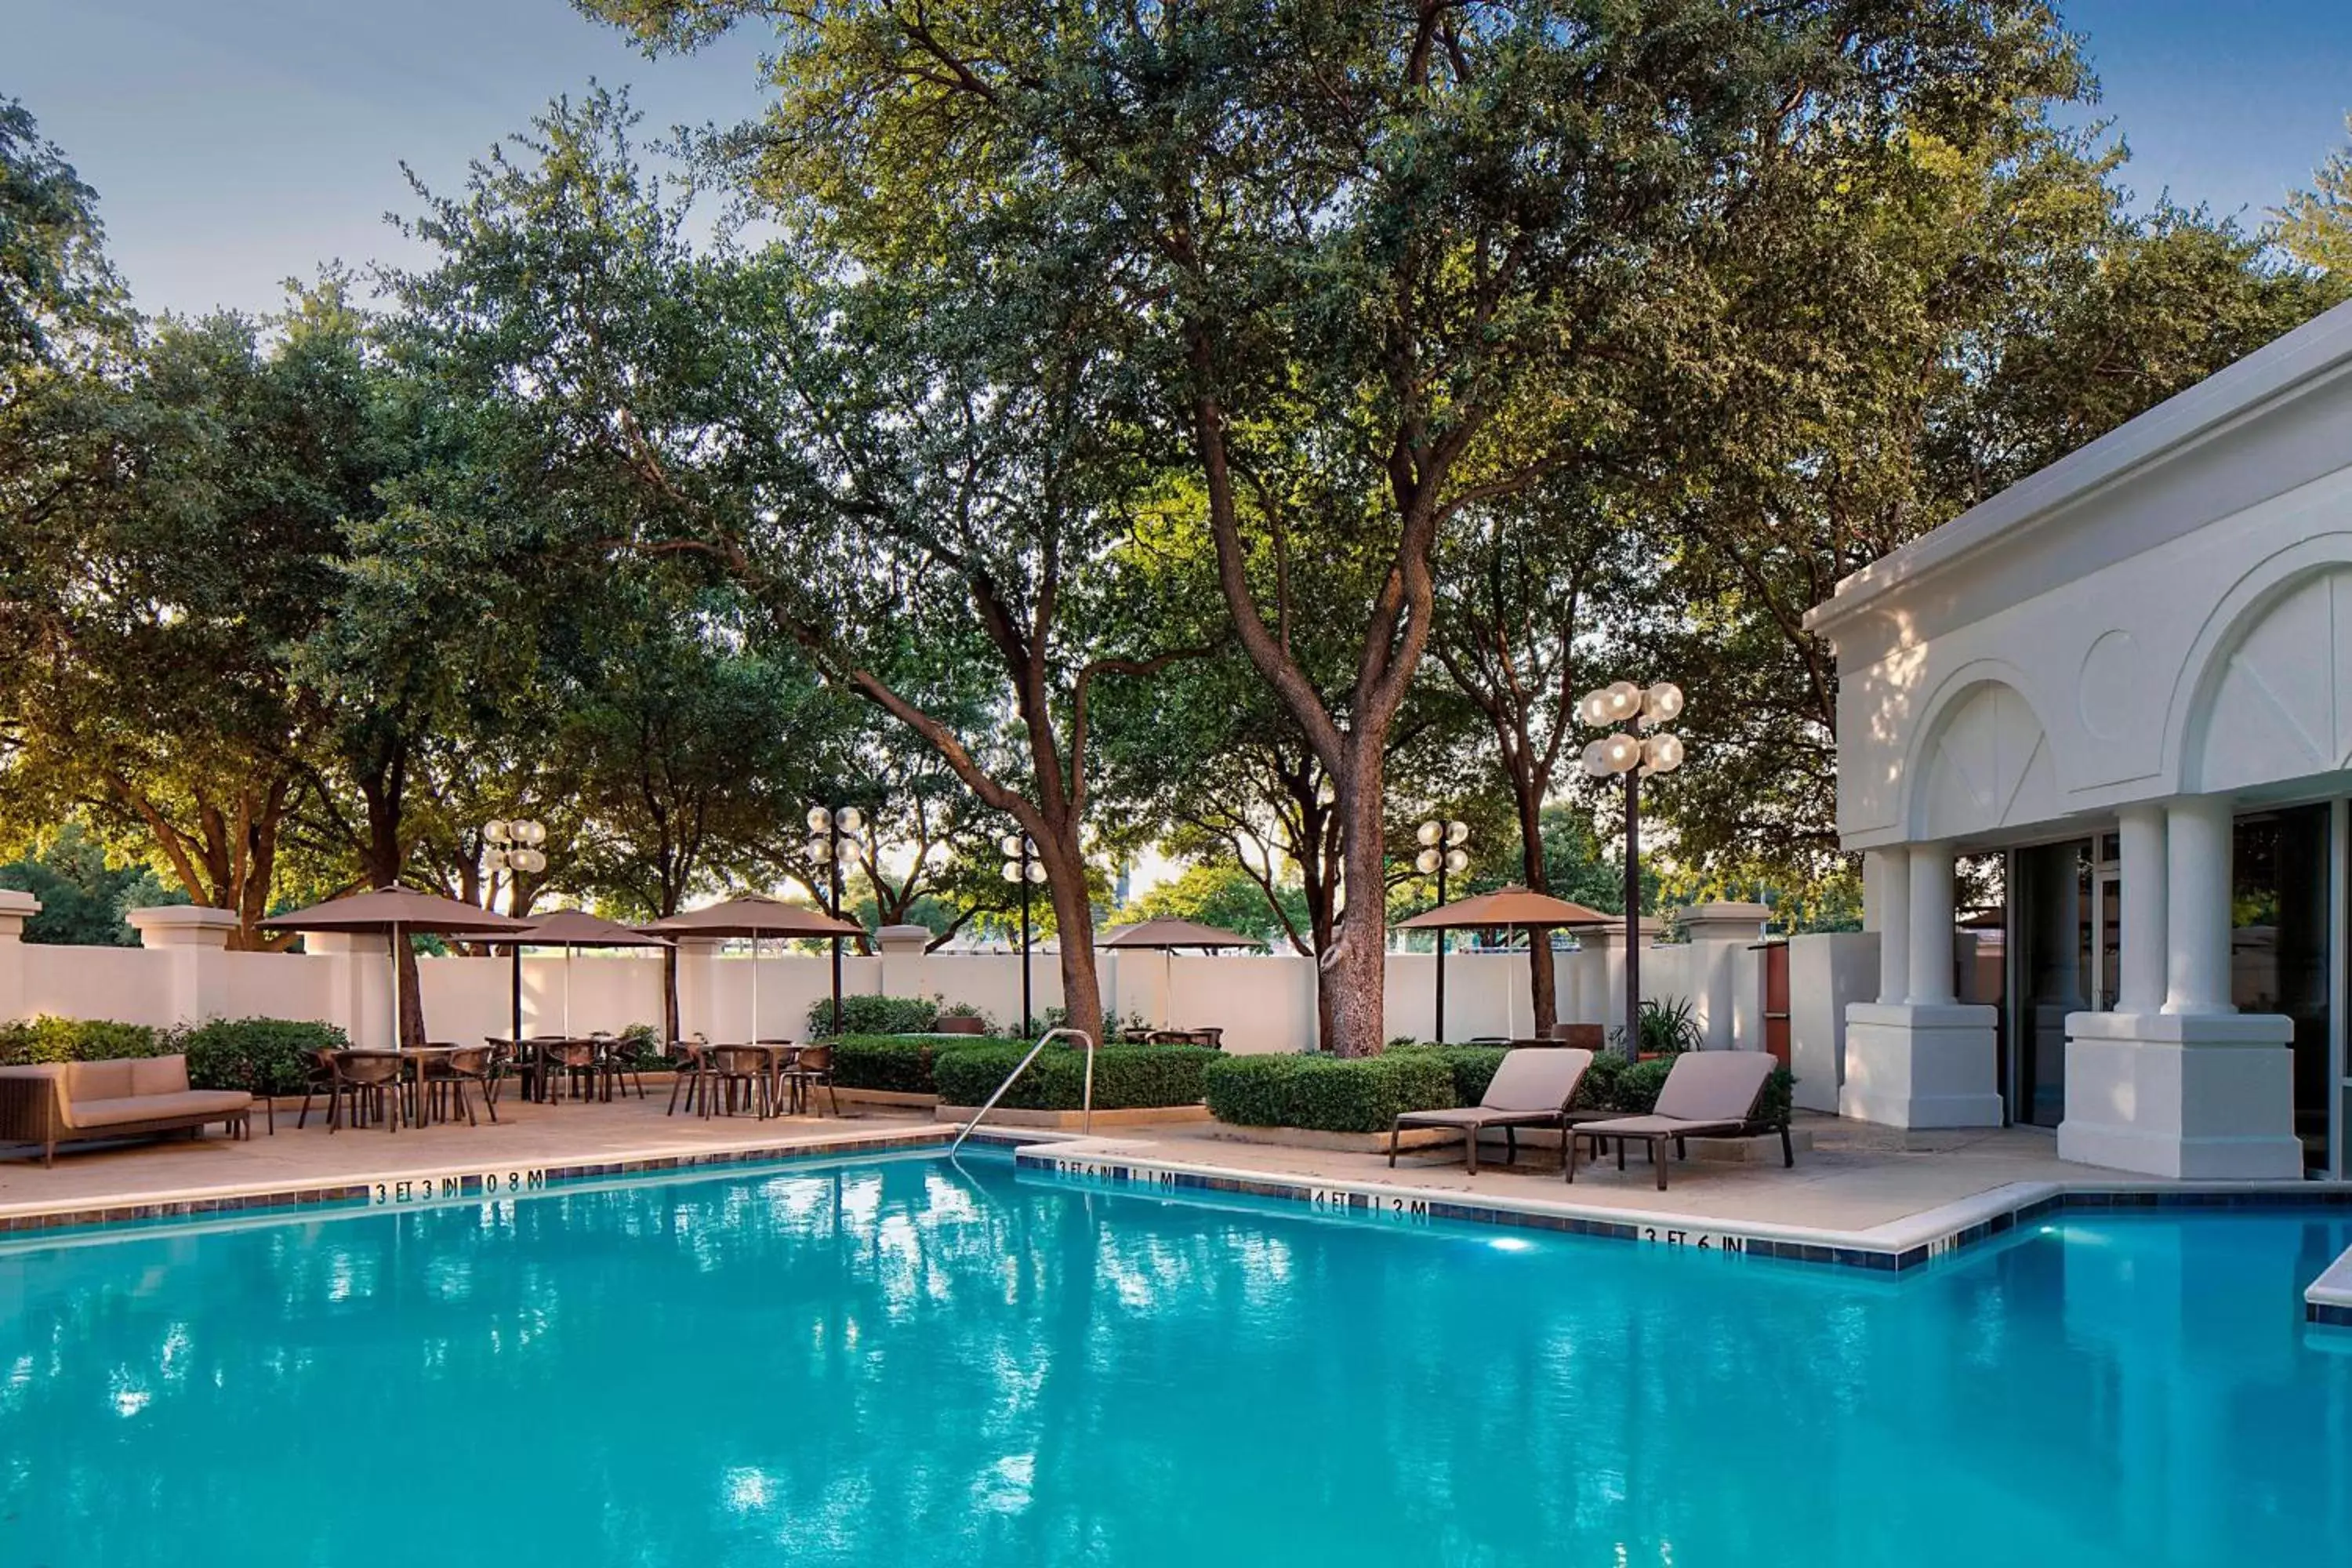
1442	856
1635	748
828	825
1023	867
513	845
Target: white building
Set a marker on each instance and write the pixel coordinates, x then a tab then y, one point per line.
2128	682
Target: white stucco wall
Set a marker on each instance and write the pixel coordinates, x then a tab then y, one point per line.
2168	612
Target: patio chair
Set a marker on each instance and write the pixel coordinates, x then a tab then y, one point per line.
750	1070
1708	1094
690	1057
371	1080
614	1068
563	1061
318	1076
812	1068
1530	1089
446	1078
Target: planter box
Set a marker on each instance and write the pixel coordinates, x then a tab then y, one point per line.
1074	1120
1339	1142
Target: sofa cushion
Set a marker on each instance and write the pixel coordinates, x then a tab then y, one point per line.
188	1104
98	1081
159	1075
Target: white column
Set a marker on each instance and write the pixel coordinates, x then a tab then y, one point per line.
1931	925
1893	885
2140	980
2197	905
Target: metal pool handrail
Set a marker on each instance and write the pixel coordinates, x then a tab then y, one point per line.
1087	1113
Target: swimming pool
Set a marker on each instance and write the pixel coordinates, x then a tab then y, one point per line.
896	1361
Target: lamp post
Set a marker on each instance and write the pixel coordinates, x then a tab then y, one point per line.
826	829
1021	866
1440	852
1636	747
514	846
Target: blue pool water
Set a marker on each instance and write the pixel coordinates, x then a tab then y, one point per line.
897	1363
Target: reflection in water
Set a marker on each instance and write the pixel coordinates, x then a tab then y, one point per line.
894	1363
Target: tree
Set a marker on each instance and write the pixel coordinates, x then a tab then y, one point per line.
2315	226
909	457
162	597
1516	620
83	896
59	296
1385	263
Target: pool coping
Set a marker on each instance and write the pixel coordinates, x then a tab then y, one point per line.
1897	1247
2329	1299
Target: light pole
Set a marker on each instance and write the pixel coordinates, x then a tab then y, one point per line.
1440	852
1636	748
1021	866
514	846
826	829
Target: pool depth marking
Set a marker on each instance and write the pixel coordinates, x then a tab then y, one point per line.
455	1186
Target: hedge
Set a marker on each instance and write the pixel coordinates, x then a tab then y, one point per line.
899	1063
263	1056
1365	1094
52	1039
1126	1076
874	1016
1472	1067
1328	1094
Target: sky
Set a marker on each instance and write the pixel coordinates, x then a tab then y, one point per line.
235	144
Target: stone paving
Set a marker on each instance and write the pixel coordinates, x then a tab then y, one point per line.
1854	1177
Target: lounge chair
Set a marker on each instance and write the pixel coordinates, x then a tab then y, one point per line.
1530	1089
1708	1094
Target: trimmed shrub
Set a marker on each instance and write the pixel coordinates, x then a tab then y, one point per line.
1599	1089
899	1063
261	1056
48	1039
1328	1094
873	1015
1127	1077
1473	1067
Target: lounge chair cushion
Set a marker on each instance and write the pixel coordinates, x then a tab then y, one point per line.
159	1075
1474	1116
1536	1078
1658	1126
187	1104
1713	1086
99	1080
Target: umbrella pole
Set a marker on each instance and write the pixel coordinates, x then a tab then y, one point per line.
1167	988
392	952
754	1036
514	997
567	990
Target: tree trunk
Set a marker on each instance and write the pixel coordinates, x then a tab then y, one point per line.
1542	981
1074	924
1354	973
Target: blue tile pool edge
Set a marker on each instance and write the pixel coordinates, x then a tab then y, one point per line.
1894	1248
1898	1247
476	1184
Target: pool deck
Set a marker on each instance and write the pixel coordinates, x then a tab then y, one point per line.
1888	1194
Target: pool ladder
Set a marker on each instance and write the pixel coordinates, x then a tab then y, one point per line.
1047	1038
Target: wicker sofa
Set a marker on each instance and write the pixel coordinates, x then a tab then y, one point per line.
50	1103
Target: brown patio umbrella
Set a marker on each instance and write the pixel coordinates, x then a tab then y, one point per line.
756	915
1168	934
568	930
1505	908
398	912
